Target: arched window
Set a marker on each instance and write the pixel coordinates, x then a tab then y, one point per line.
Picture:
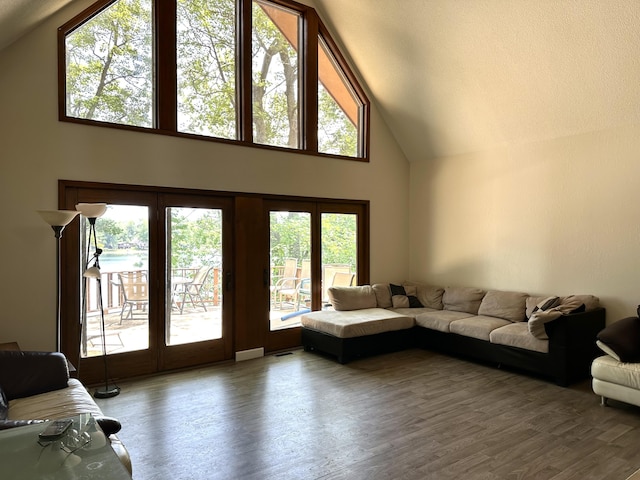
255	72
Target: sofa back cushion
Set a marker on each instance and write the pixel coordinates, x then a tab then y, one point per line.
506	305
429	296
462	299
23	374
352	298
383	295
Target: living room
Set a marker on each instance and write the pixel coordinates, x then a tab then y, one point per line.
503	150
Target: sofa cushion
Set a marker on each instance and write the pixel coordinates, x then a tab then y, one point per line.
356	323
402	297
479	326
429	296
506	305
62	403
517	335
383	295
440	319
608	369
462	299
352	298
623	337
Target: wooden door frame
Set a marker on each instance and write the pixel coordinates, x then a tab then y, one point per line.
244	282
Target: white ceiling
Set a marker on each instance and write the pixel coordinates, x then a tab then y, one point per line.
457	76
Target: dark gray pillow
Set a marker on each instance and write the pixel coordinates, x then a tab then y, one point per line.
623	337
400	299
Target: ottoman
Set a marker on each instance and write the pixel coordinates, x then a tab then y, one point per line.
356	333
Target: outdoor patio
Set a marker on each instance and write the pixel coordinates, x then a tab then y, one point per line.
193	325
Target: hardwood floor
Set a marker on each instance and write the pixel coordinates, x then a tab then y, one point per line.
409	415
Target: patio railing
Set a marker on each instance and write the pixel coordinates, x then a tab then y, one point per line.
112	297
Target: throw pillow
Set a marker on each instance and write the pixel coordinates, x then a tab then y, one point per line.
400	298
546	304
623	337
352	298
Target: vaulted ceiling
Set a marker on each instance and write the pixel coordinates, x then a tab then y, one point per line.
457	76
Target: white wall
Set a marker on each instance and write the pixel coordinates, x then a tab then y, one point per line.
556	217
36	150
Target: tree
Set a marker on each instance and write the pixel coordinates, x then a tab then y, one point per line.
206	52
196	237
109	65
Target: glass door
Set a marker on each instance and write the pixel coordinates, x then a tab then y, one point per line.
197	317
290	267
122	235
312	247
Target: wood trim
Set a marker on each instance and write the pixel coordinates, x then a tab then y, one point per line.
244	85
165	62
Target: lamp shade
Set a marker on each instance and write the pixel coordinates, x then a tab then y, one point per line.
58	218
92	210
93	272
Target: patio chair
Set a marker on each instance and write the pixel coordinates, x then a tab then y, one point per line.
193	289
286	284
135	292
303	288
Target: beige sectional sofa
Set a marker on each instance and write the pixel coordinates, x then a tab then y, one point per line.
547	335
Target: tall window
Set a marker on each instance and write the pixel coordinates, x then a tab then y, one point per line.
275	75
339	108
241	73
206	46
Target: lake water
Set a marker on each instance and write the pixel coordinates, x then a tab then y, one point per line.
118	262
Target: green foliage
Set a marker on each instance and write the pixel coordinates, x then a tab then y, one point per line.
196	237
339	239
336	133
290	236
207	67
109	65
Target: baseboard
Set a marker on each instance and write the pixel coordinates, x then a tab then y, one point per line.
249	354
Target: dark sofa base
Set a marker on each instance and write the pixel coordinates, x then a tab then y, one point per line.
347	349
498	355
572	346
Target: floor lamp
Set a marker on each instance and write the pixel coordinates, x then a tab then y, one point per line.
58	219
93	211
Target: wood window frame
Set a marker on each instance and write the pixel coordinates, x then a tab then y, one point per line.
165	74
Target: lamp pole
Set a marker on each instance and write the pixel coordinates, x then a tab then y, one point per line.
58	219
92	211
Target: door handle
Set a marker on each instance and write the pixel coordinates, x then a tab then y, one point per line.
227	281
265	277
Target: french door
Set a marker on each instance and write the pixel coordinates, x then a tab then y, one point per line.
189	277
313	245
164	282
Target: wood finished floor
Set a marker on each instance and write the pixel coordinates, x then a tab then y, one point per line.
409	415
